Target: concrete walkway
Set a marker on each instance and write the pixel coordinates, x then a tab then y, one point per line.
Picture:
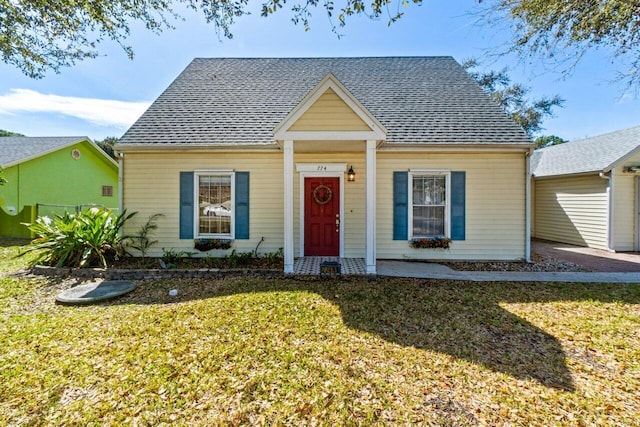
424	270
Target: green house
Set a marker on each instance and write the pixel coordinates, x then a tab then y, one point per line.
48	175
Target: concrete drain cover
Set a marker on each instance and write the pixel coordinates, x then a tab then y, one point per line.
95	291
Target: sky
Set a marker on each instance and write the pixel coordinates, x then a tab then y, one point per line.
102	97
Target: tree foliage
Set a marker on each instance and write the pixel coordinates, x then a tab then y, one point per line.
548	141
562	31
513	98
46	35
107	145
9	133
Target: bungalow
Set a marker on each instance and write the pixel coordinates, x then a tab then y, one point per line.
586	191
342	157
48	175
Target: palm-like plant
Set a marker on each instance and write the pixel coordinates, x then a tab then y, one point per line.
87	239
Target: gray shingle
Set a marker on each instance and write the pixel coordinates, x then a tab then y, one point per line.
241	100
16	149
594	154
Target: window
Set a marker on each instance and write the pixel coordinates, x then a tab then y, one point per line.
214	195
107	191
429	212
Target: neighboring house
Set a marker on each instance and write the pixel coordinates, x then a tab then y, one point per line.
57	173
246	149
586	191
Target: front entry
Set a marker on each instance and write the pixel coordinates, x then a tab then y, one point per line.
322	216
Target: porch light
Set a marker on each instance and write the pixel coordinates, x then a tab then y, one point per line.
351	175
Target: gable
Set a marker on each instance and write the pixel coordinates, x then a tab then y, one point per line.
329	113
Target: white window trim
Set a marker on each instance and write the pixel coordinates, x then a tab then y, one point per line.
447	207
196	197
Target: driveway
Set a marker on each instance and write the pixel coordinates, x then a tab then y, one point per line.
594	259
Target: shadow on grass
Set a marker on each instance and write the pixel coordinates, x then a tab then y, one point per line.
461	319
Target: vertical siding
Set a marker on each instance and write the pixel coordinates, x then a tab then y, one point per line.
152	186
495	205
354	222
572	210
329	112
624	211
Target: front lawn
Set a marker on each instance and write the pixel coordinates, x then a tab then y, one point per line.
328	352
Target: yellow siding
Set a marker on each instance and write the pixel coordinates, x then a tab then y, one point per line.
152	185
329	113
572	210
495	205
624	210
353	222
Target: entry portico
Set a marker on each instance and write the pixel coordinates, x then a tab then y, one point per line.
328	120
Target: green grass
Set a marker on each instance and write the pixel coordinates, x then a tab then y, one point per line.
245	351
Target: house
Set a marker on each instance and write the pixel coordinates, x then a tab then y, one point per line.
586	191
49	175
344	157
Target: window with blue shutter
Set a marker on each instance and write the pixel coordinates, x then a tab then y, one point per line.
214	205
429	204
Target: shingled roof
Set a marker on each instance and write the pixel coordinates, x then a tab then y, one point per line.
419	100
17	149
597	154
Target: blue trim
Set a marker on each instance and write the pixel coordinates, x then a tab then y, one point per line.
186	205
400	206
242	205
458	206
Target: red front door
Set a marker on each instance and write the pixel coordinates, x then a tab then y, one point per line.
322	216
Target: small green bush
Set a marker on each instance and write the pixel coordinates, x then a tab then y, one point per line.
90	238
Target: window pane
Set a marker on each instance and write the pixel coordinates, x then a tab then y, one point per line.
429	190
428	220
214	202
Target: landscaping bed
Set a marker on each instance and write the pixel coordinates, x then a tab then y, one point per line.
539	263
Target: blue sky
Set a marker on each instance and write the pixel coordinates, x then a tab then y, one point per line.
102	97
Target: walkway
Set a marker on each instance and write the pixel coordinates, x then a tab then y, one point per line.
425	270
594	259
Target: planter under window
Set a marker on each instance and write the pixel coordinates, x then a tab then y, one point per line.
431	243
204	245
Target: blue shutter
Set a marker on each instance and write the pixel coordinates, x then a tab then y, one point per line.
242	205
400	206
458	205
186	205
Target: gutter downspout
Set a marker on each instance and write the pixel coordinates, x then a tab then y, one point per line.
120	157
527	206
610	235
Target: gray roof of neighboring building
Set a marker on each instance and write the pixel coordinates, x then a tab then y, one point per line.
597	154
17	149
241	100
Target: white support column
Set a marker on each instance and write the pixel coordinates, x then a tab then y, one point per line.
288	206
370	245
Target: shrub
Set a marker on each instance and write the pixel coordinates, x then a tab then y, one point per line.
204	245
88	239
141	241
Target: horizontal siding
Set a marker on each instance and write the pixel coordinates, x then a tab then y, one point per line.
152	186
572	210
624	210
328	113
495	205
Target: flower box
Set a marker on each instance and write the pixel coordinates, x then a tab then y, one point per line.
204	245
431	243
